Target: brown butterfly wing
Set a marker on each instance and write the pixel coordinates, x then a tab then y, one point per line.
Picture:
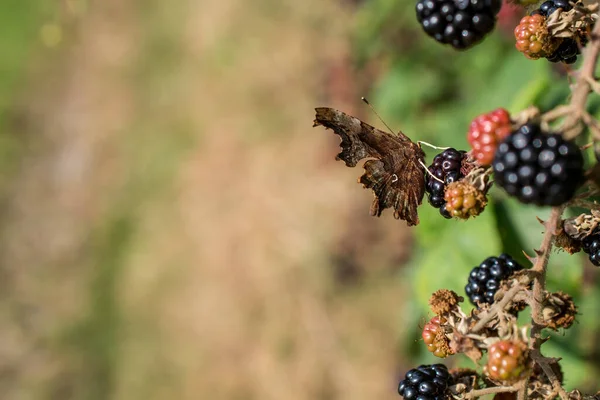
393	173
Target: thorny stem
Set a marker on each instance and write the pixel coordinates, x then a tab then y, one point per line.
590	205
539	284
492	312
540	266
547	368
583	87
473	394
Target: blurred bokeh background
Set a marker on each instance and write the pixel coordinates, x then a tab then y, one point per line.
174	228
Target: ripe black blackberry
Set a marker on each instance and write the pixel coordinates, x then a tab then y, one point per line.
568	50
446	167
460	23
591	245
537	167
485	279
426	382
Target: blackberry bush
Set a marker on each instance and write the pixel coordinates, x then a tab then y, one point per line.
459	23
484	280
538	167
425	382
529	163
446	167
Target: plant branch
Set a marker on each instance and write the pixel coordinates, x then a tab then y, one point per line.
487	316
547	368
491	390
582	86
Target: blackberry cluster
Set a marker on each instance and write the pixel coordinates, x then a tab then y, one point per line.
446	167
591	245
485	279
459	23
537	167
568	50
426	382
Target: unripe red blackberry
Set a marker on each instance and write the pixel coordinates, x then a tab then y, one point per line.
533	38
591	246
485	132
435	339
537	167
446	167
507	361
426	382
485	279
459	23
463	200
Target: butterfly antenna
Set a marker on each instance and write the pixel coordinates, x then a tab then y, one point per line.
429	172
364	99
420	142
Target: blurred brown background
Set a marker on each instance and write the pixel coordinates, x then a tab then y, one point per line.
173	227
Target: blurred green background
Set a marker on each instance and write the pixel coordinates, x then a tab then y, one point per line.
173	228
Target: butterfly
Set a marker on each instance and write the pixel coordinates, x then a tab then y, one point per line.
394	170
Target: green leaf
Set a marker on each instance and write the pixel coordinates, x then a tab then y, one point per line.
456	249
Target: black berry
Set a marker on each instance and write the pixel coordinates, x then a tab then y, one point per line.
446	168
591	245
485	279
426	382
538	167
459	23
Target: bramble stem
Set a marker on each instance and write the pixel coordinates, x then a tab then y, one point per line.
491	390
582	86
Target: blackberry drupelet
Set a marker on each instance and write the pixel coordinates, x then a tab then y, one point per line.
548	7
591	246
485	279
446	167
459	23
426	382
538	168
568	50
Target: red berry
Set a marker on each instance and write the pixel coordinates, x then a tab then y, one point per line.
463	200
435	338
533	38
486	131
507	360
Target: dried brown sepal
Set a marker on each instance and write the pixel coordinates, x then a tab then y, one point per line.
559	311
577	395
465	380
505	396
574	23
468	164
443	301
582	226
467	346
566	242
